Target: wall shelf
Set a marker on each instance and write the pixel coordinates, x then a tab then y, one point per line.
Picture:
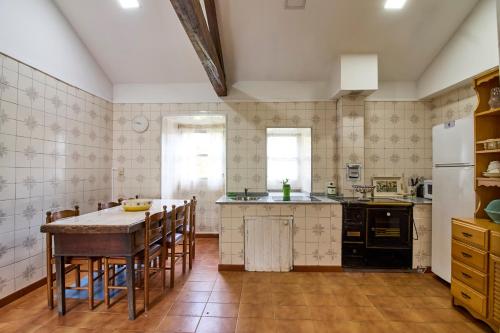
491	151
491	112
487	181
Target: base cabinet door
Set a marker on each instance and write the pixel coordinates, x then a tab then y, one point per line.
494	290
268	244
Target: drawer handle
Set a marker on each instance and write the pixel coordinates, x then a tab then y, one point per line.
466	255
466	234
466	275
464	295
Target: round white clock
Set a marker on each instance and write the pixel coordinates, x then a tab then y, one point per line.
140	124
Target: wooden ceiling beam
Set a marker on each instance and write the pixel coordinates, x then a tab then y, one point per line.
206	42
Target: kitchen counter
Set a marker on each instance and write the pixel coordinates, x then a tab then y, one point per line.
266	200
294	199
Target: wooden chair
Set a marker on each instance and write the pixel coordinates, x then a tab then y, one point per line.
72	263
154	236
101	206
189	236
178	223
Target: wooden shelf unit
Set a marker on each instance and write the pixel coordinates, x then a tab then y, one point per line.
486	126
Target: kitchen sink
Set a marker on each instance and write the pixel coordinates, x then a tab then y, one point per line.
243	198
296	198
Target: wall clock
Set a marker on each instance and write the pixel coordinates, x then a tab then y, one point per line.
140	124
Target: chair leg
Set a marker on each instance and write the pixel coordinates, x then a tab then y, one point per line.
90	283
190	251
172	265
184	252
50	291
77	276
146	284
99	266
162	269
106	283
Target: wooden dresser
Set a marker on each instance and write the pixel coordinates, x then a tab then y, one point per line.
475	271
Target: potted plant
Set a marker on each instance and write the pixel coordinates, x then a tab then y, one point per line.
286	189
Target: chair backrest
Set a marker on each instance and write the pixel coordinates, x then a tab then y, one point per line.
52	217
62	214
154	227
106	205
194	202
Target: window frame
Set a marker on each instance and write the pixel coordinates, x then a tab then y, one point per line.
299	159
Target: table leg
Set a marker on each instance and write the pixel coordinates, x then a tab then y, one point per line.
131	287
60	285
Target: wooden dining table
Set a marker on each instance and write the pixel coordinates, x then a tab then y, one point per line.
111	232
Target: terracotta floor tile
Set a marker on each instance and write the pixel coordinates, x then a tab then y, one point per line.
260	311
282	298
292	312
294	326
198	286
193	296
224	297
388	301
352	300
221	310
187	309
178	324
407	314
253	325
216	325
317	299
404	327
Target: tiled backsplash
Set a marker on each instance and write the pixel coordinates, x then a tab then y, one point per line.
55	152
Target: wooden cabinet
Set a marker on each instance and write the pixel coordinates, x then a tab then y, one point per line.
494	292
475	268
268	243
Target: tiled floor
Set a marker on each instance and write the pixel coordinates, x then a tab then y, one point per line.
205	300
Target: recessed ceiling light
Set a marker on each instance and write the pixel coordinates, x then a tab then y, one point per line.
394	4
295	4
129	4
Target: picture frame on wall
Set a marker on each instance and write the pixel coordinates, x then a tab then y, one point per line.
387	186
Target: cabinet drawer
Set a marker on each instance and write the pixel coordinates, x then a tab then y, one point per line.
469	276
495	243
469	255
474	300
472	235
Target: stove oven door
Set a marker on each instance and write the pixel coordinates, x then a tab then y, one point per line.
388	228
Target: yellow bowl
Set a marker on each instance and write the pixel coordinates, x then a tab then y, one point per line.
136	205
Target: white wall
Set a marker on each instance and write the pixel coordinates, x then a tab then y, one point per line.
36	33
203	92
472	49
397	91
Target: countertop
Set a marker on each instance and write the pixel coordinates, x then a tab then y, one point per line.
322	199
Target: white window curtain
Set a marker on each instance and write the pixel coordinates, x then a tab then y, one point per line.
195	158
193	163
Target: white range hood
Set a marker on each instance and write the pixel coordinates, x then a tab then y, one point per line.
354	74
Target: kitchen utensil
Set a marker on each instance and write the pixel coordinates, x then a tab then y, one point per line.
136	205
363	189
493	210
494	101
493	165
490	144
491	174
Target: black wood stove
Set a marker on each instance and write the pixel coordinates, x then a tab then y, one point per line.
377	233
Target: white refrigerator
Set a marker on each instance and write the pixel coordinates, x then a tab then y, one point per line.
452	186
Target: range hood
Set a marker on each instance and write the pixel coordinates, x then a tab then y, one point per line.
354	74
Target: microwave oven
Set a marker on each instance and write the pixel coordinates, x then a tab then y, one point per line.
428	189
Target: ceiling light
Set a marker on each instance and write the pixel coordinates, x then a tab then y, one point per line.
129	4
295	4
394	4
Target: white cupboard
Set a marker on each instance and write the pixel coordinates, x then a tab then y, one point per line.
268	243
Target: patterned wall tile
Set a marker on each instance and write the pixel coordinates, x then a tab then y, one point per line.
54	153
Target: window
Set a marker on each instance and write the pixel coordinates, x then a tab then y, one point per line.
289	157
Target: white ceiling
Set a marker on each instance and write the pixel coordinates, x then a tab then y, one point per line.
264	42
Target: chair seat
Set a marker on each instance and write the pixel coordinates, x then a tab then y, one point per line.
178	237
